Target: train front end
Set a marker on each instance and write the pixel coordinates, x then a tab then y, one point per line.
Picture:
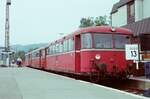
103	52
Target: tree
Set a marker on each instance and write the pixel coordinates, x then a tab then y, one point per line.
101	20
91	21
20	54
85	22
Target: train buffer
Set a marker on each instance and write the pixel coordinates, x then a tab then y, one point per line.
27	83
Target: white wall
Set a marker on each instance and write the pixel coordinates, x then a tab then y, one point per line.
120	17
142	10
138	10
146	8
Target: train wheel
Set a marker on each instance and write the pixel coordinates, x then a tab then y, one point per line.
127	74
94	77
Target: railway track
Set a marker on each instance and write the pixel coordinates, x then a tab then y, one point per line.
132	86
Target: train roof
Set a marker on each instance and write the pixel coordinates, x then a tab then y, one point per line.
104	29
40	48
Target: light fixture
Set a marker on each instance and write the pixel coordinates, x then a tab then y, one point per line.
97	57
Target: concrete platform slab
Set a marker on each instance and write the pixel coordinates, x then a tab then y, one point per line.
27	83
141	78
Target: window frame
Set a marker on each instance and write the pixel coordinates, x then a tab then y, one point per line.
112	41
120	35
91	46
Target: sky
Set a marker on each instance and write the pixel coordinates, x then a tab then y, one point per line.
42	21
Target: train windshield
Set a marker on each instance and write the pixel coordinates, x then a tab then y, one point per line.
86	40
121	40
103	40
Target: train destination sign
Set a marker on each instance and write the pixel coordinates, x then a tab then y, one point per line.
132	51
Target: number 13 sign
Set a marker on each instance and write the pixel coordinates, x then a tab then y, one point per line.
132	51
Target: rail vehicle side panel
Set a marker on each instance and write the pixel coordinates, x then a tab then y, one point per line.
30	60
35	62
62	62
50	62
42	59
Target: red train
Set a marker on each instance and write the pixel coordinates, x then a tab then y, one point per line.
87	51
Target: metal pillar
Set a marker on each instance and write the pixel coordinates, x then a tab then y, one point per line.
7	42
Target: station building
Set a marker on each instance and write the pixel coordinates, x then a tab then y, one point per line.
1	55
134	15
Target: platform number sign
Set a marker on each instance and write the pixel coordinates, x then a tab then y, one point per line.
132	51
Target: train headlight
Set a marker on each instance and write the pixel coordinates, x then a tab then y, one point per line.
97	57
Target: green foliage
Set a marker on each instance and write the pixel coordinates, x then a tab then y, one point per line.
20	54
85	22
91	21
101	20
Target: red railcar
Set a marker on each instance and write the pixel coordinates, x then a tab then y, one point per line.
84	52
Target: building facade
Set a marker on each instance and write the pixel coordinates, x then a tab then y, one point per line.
134	15
1	55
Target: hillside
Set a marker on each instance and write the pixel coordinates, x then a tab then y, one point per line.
26	48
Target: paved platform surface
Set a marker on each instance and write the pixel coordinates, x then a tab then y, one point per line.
141	78
27	83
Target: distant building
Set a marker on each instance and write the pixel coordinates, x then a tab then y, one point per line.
1	55
134	15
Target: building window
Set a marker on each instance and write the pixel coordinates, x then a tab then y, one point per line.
131	12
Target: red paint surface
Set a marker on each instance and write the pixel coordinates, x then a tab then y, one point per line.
78	60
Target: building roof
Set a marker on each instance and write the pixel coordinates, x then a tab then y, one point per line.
119	4
140	27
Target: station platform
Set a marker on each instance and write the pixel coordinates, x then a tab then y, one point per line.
28	83
141	78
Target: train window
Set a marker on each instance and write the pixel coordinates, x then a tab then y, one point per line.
71	44
57	48
36	54
54	49
65	44
103	40
86	40
33	54
121	40
49	50
61	47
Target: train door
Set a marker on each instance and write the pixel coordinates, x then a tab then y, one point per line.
40	63
77	53
30	60
43	58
